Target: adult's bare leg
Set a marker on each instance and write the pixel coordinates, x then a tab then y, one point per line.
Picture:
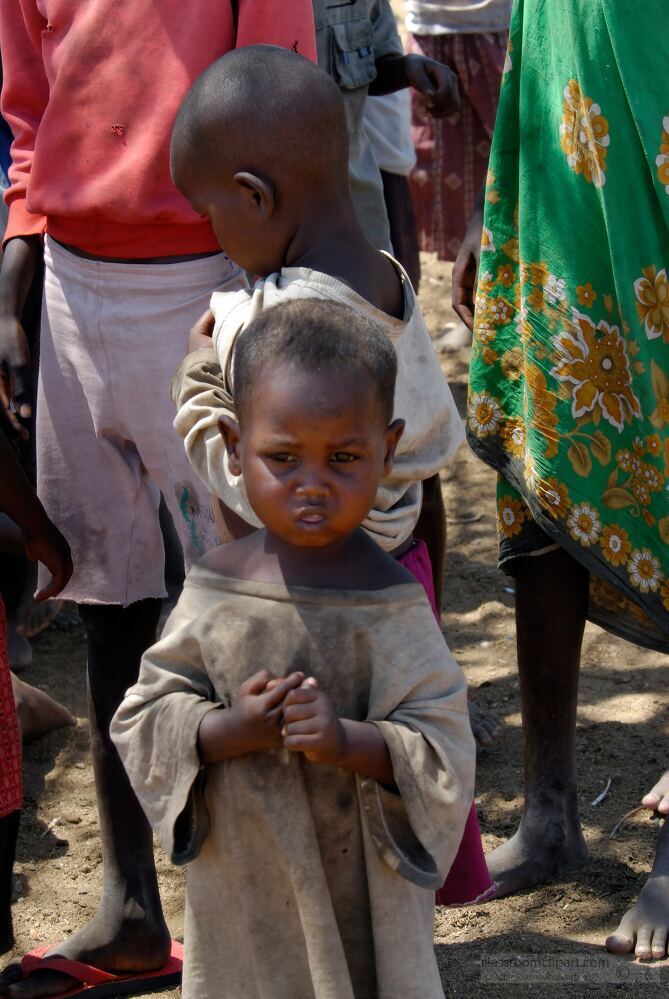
128	933
551	604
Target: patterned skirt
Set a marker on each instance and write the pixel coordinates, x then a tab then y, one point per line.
452	153
569	384
11	794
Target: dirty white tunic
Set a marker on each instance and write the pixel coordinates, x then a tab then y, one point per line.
433	432
304	881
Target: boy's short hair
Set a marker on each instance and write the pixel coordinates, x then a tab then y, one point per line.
315	336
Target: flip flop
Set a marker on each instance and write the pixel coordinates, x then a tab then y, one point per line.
97	984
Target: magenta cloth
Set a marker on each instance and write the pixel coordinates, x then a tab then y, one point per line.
468	880
11	793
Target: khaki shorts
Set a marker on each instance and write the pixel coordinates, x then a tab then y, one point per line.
112	336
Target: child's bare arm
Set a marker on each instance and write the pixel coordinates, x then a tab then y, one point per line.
252	724
43	541
312	727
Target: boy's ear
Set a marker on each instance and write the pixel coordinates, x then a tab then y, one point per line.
393	436
259	192
230	433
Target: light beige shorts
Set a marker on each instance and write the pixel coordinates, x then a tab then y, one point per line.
112	336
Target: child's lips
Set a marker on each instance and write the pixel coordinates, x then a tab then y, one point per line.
311	517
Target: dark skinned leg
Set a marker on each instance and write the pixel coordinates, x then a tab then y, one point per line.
9	831
551	604
128	932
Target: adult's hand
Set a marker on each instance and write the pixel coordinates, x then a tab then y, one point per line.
437	83
465	269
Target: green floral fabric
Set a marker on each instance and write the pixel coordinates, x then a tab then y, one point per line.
569	385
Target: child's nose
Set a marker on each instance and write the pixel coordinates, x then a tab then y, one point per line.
312	485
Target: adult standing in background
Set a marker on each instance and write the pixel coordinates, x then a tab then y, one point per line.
470	36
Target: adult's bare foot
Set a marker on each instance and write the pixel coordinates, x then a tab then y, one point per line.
33	618
130	944
541	850
486	725
37	712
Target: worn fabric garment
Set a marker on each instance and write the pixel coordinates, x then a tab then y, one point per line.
11	788
468	880
443	17
388	127
111	337
91	94
201	389
350	37
304	880
569	386
452	153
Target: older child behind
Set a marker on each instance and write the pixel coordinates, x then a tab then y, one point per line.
303	668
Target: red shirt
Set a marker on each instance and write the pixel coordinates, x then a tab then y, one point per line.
91	90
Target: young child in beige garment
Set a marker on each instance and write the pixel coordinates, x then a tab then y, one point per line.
300	736
260	147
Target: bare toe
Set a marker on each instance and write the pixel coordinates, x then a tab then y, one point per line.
657	798
659	944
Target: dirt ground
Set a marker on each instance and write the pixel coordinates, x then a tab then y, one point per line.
547	941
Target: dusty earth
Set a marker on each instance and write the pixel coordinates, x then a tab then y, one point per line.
547	941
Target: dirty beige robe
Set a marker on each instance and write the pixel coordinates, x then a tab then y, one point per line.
202	388
304	880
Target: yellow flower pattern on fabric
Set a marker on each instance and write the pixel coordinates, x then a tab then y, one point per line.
584	135
593	359
662	161
510	516
652	293
615	544
584	524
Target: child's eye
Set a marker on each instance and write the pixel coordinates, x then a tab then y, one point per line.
344	457
283	457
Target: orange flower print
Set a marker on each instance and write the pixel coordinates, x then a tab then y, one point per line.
499	311
662	161
553	497
513	437
586	295
594	361
489	355
644	570
584	524
484	414
663	410
615	544
510	516
652	293
487	241
513	364
536	298
506	275
584	135
654	445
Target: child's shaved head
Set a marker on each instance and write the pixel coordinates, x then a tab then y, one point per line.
265	110
316	336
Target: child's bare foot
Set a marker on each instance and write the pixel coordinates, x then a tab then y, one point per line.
486	725
547	844
644	928
37	712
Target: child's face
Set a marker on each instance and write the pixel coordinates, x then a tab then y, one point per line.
312	452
